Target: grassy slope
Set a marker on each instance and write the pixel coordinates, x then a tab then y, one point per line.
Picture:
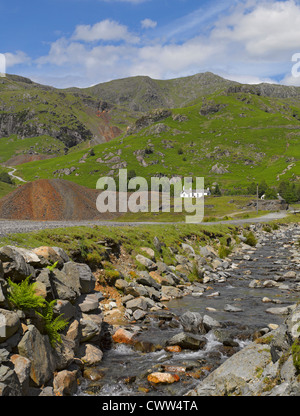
253	137
46	107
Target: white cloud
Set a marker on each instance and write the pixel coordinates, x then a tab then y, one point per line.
16	58
267	32
106	30
148	24
252	43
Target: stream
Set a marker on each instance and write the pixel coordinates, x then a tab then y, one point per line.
124	370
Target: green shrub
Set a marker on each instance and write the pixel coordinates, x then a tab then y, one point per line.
52	325
250	239
5	177
296	354
23	295
224	251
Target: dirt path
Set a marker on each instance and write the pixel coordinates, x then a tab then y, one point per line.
13	176
13	227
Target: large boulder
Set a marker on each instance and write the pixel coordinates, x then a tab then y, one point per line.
82	274
14	264
192	322
9	382
9	324
188	341
36	347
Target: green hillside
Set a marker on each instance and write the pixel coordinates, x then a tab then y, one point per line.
202	125
232	138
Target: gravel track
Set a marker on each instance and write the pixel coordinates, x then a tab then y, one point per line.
15	226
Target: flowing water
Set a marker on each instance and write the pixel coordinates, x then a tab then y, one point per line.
125	370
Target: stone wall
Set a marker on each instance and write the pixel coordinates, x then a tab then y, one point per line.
29	364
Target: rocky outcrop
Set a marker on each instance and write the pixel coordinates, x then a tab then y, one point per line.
269	366
30	363
148	119
268	205
24	124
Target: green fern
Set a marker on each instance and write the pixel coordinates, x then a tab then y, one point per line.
52	267
52	326
23	295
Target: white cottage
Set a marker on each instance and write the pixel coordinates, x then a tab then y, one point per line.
194	194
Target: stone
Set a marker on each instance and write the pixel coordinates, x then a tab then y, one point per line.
14	264
62	254
281	311
65	383
65	308
37	349
87	303
171	292
149	251
173	348
232	308
136	291
138	314
22	366
49	254
192	322
207	251
162	280
122	336
90	355
188	249
231	377
146	280
81	276
121	284
210	323
157	244
9	324
9	382
63	286
89	329
137	303
187	341
30	257
149	264
290	275
64	352
163	378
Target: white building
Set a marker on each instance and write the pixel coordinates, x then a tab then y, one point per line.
194	194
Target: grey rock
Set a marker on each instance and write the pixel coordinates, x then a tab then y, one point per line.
210	323
65	308
192	322
9	382
136	291
149	264
232	308
172	292
14	264
87	303
146	280
138	314
81	277
121	284
137	303
188	341
37	349
9	324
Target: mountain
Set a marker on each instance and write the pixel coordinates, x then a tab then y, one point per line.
202	125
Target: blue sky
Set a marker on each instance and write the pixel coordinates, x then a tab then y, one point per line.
84	42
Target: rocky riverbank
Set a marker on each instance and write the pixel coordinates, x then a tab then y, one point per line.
122	301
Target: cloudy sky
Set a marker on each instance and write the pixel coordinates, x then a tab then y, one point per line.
84	42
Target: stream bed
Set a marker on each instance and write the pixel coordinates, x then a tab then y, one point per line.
124	370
